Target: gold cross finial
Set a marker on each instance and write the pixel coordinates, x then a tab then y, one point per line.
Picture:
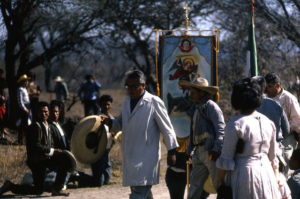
186	8
187	21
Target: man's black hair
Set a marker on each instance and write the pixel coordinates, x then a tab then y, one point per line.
272	78
42	104
105	98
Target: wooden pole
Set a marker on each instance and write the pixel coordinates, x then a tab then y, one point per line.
187	177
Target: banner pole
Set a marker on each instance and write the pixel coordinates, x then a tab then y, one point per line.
187	178
156	62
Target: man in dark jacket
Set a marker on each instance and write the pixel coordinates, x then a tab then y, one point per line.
60	139
41	156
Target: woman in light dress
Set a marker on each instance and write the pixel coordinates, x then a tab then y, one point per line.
248	153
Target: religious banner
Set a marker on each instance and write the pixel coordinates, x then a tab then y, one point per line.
184	58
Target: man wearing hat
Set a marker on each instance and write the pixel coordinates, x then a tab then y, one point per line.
61	89
23	105
206	137
42	155
143	117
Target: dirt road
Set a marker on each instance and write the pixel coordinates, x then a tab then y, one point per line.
115	191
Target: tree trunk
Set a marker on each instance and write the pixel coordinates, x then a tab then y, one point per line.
11	81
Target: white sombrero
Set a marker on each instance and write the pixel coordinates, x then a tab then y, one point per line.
201	84
89	139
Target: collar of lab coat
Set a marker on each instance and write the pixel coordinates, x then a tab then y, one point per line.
146	98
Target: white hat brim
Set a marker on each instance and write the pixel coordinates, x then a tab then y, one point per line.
78	141
209	89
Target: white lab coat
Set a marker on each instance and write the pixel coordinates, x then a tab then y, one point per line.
141	130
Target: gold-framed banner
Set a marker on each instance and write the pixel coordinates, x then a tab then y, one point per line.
184	58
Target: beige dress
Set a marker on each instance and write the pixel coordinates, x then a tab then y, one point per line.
251	171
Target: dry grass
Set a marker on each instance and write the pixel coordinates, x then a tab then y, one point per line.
13	158
12	163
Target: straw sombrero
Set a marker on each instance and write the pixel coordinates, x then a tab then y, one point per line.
201	84
208	186
68	159
23	78
89	139
58	79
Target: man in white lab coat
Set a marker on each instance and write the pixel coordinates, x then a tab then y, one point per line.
143	117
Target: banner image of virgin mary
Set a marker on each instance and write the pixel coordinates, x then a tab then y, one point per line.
183	58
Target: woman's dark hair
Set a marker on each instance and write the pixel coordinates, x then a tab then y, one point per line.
182	41
261	81
246	95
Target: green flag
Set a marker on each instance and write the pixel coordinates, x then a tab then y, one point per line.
252	48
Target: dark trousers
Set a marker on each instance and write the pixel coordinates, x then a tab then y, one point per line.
101	173
101	170
90	107
176	183
38	169
23	127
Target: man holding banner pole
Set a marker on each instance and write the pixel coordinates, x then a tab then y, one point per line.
206	137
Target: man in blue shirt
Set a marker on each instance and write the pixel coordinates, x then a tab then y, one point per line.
88	94
273	111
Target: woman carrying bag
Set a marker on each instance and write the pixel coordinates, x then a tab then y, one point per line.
249	147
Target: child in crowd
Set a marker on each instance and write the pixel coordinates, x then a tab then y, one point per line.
101	170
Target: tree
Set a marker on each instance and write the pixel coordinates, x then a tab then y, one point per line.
277	38
130	25
37	31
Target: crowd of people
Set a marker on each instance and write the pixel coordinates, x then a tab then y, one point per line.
255	155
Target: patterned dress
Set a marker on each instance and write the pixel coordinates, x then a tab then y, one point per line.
251	171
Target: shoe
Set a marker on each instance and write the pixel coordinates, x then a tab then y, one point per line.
6	187
60	193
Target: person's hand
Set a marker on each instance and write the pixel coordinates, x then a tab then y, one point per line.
58	151
27	112
213	155
188	159
171	159
105	119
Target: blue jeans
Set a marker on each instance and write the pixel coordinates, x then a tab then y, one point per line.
141	192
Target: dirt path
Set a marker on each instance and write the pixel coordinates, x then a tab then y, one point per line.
115	191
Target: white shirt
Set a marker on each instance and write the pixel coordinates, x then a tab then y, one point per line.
47	132
61	132
291	107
